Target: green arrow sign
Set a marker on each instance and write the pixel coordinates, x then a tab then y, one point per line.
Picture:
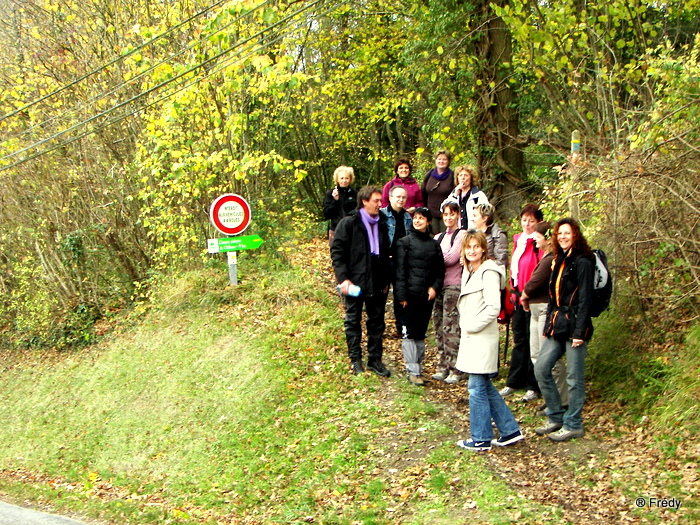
231	244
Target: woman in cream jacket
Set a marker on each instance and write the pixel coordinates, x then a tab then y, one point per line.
479	304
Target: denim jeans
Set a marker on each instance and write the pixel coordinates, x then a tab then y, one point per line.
485	404
550	352
538	318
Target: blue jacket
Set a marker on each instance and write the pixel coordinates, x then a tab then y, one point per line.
391	223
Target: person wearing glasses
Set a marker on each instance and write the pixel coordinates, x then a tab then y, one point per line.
398	221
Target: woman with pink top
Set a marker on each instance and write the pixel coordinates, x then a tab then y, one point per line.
525	257
403	178
445	314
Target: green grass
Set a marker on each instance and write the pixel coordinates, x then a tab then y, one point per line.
236	404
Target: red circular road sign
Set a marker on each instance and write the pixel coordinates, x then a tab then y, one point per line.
230	214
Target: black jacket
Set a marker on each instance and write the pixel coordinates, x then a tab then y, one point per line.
337	209
570	296
351	255
419	265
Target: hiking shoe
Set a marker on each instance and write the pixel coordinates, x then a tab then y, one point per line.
549	427
416	380
506	391
378	368
565	434
357	367
453	378
475	446
440	375
504	441
530	395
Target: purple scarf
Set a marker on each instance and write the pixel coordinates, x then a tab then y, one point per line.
434	173
372	227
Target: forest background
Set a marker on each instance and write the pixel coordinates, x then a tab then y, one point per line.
122	121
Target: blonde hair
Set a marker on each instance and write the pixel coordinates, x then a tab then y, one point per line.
344	170
472	170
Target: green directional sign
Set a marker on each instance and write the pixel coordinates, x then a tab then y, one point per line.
232	244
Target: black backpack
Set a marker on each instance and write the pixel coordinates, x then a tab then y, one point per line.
452	240
602	284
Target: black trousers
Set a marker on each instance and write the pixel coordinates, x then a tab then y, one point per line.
374	306
522	371
416	316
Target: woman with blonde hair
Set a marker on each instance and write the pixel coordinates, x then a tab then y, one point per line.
340	200
467	194
479	305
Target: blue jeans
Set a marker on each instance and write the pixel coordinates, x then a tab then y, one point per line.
550	352
485	404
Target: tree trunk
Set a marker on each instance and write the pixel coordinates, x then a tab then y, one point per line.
500	156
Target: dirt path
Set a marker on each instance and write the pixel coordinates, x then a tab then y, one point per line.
616	473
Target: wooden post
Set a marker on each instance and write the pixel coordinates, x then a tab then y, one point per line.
575	156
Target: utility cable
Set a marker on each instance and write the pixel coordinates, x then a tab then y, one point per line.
123	84
157	86
112	62
154	88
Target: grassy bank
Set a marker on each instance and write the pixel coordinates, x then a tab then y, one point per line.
235	406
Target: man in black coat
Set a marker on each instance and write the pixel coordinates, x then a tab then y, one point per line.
360	254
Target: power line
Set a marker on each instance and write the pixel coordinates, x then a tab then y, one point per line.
123	84
112	62
126	115
156	87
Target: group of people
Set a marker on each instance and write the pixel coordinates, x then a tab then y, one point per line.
437	245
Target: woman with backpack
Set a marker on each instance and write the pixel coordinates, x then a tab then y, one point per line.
445	314
534	299
567	329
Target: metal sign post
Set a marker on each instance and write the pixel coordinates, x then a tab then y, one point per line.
231	214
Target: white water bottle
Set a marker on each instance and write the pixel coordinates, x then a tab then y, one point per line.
353	290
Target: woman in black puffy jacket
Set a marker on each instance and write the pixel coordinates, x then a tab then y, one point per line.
420	270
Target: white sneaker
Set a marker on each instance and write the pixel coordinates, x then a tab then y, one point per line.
453	378
530	395
440	375
506	391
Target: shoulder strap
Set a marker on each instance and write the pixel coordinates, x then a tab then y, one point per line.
454	236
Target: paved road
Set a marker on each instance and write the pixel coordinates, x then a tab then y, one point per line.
12	515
